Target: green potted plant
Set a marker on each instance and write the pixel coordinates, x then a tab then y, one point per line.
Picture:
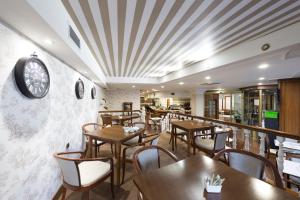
237	117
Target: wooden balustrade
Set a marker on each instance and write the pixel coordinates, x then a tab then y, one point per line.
246	131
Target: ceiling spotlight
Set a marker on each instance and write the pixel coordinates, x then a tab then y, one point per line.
207	77
133	86
261	78
48	41
263	66
259	84
181	83
162	86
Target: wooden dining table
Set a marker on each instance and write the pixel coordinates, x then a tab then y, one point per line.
185	180
120	119
113	135
190	126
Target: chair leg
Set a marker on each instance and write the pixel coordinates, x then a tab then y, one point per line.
85	195
123	169
64	191
111	148
95	148
175	137
112	184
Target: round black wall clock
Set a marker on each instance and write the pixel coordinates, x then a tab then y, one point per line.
79	89
93	92
32	77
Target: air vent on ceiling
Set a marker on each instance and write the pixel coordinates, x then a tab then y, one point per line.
74	36
209	83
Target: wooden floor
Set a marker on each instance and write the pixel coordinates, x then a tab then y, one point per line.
128	189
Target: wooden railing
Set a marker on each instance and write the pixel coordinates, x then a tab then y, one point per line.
246	130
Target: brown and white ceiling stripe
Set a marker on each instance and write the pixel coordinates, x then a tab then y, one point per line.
150	38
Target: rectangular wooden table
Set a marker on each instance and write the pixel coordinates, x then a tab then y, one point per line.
184	180
120	119
113	135
190	126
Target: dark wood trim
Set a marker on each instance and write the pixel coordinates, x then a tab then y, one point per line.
252	128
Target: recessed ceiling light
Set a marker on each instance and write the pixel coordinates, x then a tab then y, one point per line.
263	66
162	86
133	86
259	84
207	77
261	78
48	41
181	83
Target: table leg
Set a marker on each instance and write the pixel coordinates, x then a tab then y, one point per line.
118	161
90	147
172	138
189	143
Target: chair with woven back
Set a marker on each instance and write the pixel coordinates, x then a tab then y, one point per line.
96	143
83	174
212	145
127	153
248	163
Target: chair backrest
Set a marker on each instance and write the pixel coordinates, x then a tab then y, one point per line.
68	168
220	141
106	120
141	125
86	128
249	163
148	158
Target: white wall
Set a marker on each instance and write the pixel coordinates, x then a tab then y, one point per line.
116	97
32	130
197	102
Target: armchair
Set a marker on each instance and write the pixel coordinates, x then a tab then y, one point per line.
211	145
151	139
83	174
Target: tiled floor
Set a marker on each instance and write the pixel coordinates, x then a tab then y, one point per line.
128	190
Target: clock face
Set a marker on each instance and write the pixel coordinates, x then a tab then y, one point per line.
32	77
93	92
79	89
36	78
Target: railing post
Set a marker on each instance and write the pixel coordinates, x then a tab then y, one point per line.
246	138
262	143
234	138
280	154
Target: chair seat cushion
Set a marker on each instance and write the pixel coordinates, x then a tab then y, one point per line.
99	142
132	141
91	171
130	151
180	132
205	143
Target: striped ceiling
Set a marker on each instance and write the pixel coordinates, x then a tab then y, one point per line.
151	38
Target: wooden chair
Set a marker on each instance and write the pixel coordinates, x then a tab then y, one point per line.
289	179
151	139
84	174
139	138
148	158
106	120
211	145
96	143
249	163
